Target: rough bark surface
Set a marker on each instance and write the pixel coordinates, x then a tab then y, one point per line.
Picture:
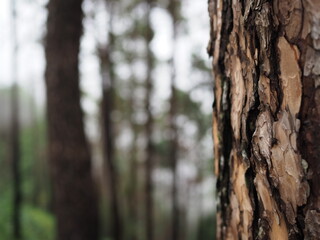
266	117
75	200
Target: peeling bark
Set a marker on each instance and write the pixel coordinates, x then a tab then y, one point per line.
266	117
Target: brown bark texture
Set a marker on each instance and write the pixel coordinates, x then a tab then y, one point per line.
75	200
266	117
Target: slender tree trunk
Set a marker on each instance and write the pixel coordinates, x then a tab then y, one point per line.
133	175
15	132
149	127
108	128
266	118
173	8
37	164
75	199
132	196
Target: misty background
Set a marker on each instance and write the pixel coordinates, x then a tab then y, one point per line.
193	82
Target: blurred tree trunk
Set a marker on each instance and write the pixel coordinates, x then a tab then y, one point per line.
173	10
108	95
266	58
149	125
37	163
75	199
133	175
15	131
133	190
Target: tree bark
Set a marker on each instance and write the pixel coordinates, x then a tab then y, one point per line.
266	118
75	199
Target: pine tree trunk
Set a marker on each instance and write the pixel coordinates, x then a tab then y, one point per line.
75	200
132	197
149	126
266	58
133	188
15	133
108	97
173	154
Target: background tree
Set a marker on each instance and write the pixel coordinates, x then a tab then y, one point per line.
174	11
135	104
149	123
15	132
109	138
75	199
127	113
266	116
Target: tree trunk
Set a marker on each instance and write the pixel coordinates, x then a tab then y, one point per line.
108	93
132	197
75	199
149	125
133	189
266	118
173	154
15	133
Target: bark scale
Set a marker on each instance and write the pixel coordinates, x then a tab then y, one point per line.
75	199
266	116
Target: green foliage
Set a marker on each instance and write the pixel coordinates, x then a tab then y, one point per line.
162	151
207	227
6	209
37	224
6	190
34	164
200	64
